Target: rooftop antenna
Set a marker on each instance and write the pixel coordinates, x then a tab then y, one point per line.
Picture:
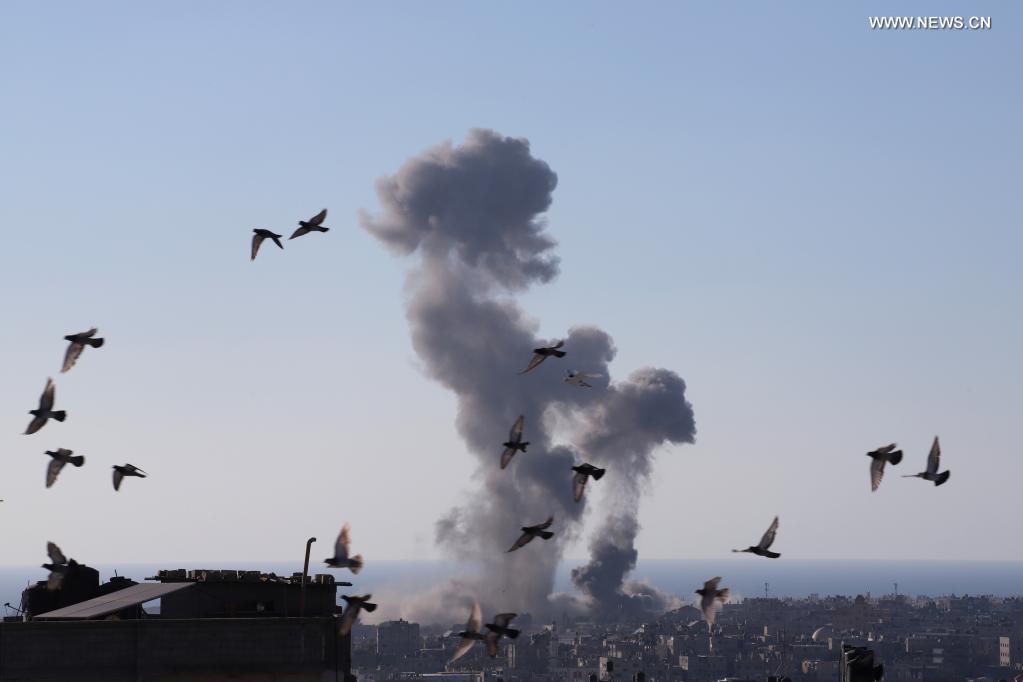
767	589
896	589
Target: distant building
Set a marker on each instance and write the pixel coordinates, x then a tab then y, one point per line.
398	638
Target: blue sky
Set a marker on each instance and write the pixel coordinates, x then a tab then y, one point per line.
815	224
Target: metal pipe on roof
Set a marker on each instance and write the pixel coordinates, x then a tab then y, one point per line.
305	577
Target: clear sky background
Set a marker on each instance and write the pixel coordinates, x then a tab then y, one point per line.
817	225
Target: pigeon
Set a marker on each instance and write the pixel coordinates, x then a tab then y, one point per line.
582	472
514	443
765	542
709	596
471	634
57	567
530	532
258	237
341	558
579	379
933	461
312	225
541	354
878	459
352	607
61	457
127	470
498	629
78	344
45	410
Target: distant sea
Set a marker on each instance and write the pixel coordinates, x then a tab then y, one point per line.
744	575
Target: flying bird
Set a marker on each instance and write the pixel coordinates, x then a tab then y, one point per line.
353	605
530	532
45	410
710	595
127	470
471	634
582	473
763	549
57	567
879	458
258	237
514	442
933	462
499	628
541	354
342	557
579	379
61	457
77	345
311	225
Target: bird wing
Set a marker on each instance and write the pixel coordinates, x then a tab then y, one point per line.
934	457
257	239
545	524
523	540
52	470
768	537
533	362
46	399
74	350
475	621
503	619
711	586
886	449
56	556
299	232
506	456
578	485
462	650
91	333
587	375
515	435
343	542
118	477
351	612
491	642
318	218
559	344
53	582
35	425
876	472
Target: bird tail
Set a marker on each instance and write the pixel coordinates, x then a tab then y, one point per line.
738	550
95	343
60	415
323	229
511	633
895	457
558	353
523	445
77	460
723	594
771	555
546	534
942	477
369	606
356	564
597	474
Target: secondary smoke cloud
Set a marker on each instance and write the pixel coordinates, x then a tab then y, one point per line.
473	215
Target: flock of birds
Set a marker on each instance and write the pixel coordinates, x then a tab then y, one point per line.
711	596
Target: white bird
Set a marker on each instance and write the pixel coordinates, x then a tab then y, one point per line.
77	345
579	379
342	556
471	634
933	462
879	458
514	442
710	595
45	411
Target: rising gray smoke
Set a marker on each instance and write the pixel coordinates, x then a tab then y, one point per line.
472	213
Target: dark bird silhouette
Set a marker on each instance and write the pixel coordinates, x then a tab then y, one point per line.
530	532
45	411
78	344
582	473
353	605
879	458
311	225
762	549
499	628
342	557
514	442
258	237
541	354
61	457
57	567
127	470
579	379
471	634
933	462
710	595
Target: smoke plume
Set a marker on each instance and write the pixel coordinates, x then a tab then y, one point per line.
473	215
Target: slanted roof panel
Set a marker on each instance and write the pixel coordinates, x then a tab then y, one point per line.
113	602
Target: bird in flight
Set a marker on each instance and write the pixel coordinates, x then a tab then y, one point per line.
514	442
259	235
127	470
57	567
530	532
471	634
583	472
579	379
311	225
879	458
45	411
710	595
933	462
353	605
499	628
763	549
77	345
541	354
342	557
61	457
